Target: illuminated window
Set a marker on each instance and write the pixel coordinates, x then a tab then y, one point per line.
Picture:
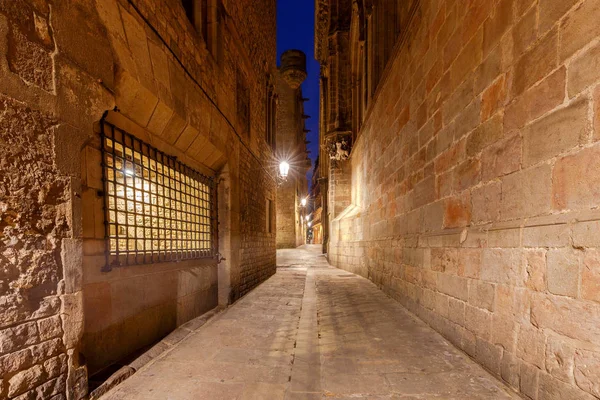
156	208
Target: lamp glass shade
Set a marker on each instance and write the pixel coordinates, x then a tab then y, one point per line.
284	169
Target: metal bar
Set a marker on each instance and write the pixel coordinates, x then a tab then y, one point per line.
169	209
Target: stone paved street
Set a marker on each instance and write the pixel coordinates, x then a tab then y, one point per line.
312	332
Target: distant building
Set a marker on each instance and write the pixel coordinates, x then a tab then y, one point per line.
291	147
316	206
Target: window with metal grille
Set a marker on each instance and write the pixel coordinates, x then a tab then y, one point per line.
156	208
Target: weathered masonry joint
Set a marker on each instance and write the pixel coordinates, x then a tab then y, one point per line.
134	156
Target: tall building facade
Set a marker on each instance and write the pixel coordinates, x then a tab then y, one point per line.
137	177
459	154
291	148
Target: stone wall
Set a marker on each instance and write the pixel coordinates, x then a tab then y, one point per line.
35	227
257	243
474	187
63	65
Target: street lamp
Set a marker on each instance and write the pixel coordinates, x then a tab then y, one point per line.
309	224
284	169
303	202
307	218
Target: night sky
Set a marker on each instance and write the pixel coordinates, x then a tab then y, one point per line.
296	30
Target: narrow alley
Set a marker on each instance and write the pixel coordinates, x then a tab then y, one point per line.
309	332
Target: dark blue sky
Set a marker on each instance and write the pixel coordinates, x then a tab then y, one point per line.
296	30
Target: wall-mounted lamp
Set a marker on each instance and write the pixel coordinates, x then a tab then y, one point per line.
303	202
284	170
307	218
309	224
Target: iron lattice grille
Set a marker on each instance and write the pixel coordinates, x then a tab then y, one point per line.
157	209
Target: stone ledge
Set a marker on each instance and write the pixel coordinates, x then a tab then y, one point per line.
154	352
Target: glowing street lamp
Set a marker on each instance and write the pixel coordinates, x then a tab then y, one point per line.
303	202
284	169
307	218
309	224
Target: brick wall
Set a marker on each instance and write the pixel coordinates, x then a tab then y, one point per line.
478	211
63	65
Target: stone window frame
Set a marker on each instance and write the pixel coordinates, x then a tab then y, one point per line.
271	114
206	16
206	207
270	215
242	96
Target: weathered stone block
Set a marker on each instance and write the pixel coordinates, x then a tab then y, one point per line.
458	211
560	359
468	59
584	71
556	133
504	332
478	321
50	328
501	158
25	380
15	361
529	380
485	201
454	286
579	28
525	31
553	389
486	134
456	311
573	318
536	63
563	272
551	11
510	369
531	345
469	263
14	338
526	193
536	101
587	371
444	260
546	236
535	269
482	295
493	98
576	181
500	265
590	275
497	24
467	174
586	234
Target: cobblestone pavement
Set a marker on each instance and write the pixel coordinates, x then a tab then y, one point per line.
313	332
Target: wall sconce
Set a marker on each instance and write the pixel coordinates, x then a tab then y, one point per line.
309	224
307	218
303	202
284	170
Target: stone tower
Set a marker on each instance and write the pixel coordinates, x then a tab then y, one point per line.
291	147
293	68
